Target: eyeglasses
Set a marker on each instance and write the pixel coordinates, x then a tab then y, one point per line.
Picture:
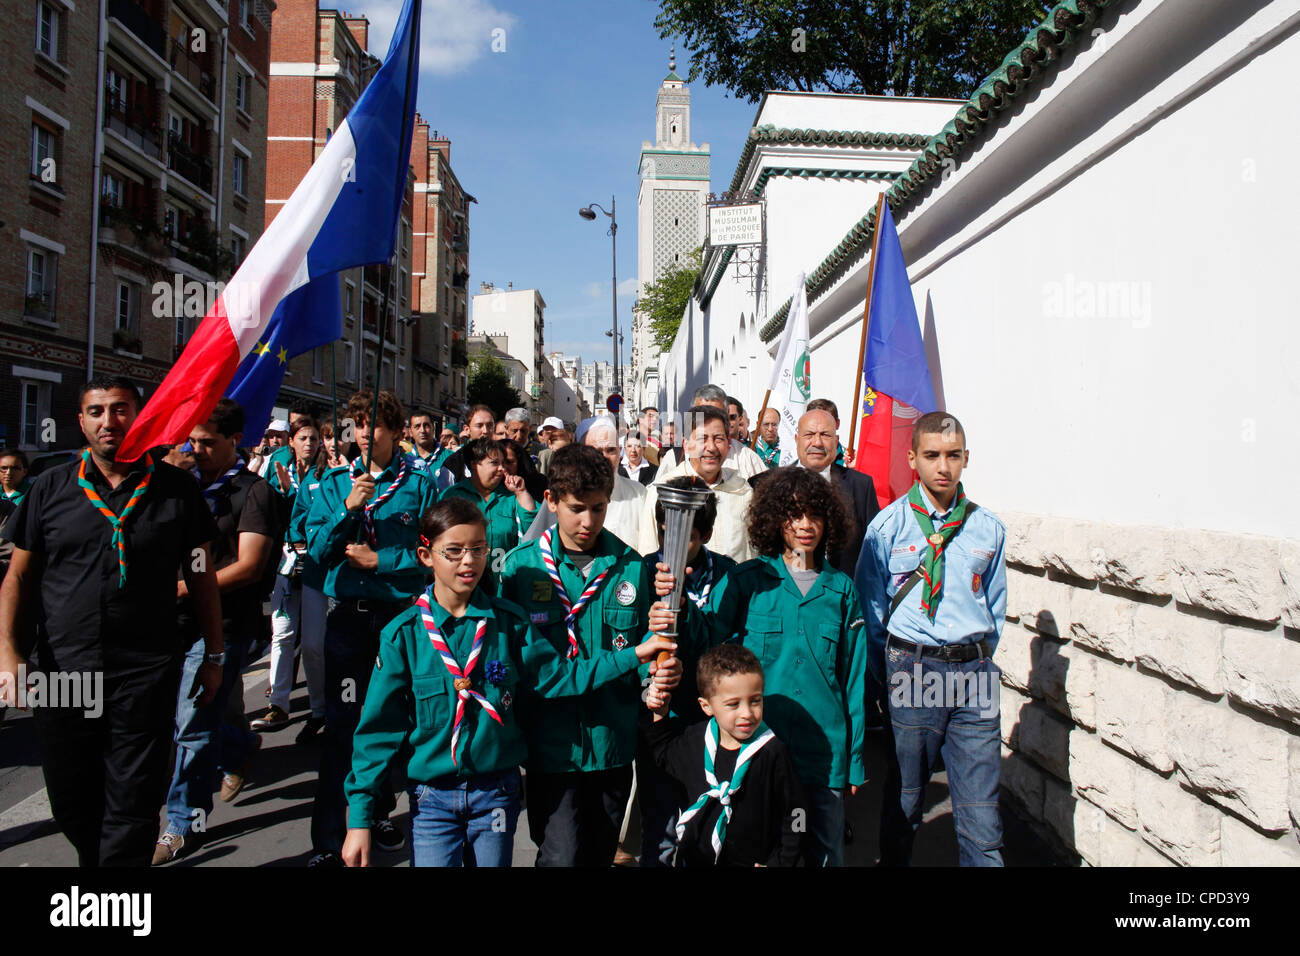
455	553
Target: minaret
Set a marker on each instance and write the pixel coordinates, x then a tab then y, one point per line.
674	175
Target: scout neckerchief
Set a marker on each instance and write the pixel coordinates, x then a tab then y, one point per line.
464	688
19	493
211	492
722	792
770	454
118	522
368	515
571	611
703	596
937	541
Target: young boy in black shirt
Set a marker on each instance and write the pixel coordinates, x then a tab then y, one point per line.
743	804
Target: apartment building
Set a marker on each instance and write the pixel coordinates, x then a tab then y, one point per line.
143	179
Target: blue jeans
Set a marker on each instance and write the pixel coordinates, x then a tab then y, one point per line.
477	812
964	728
201	740
825	843
351	646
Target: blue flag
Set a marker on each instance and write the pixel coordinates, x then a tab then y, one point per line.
306	318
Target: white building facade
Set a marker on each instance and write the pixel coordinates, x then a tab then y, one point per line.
1100	246
518	316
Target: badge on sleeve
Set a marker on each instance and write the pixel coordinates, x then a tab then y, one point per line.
543	591
626	593
506	700
975	582
620	642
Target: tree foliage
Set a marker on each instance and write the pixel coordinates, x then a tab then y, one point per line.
899	47
664	300
489	384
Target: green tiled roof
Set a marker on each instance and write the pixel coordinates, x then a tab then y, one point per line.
828	137
1023	67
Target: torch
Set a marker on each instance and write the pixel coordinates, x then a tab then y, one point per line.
680	505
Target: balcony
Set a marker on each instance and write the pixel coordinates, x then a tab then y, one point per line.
194	70
140	22
195	167
133	125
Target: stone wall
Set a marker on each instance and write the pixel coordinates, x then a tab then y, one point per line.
1151	692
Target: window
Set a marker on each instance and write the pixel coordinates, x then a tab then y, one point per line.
171	220
349	362
42	267
115	90
34	408
44	141
241	89
318	364
347	300
241	173
47	30
245	15
237	249
110	190
128	307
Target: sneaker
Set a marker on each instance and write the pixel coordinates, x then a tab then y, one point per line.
232	783
310	729
274	719
326	860
173	844
387	836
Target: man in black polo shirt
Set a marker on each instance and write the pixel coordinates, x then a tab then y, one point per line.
99	543
247	527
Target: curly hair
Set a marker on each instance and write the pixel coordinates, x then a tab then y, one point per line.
579	470
786	494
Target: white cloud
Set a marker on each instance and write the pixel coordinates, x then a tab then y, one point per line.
593	290
627	287
598	290
453	33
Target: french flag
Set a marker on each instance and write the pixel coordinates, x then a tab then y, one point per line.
343	214
896	386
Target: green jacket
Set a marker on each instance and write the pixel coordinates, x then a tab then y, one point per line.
813	649
507	519
597	731
412	696
331	527
284	456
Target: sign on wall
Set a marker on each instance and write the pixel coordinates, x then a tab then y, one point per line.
736	225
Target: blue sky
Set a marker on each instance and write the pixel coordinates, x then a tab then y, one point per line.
547	126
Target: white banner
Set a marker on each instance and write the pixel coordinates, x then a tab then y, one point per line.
791	383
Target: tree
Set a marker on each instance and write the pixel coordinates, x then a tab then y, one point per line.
899	47
664	300
489	384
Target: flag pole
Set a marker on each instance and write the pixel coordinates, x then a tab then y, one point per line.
753	440
402	163
866	323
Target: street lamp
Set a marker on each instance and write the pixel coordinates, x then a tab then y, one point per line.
588	213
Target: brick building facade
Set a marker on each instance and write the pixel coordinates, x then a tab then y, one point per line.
143	175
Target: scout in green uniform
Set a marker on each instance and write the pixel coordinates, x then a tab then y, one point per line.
803	620
586	592
449	672
13	475
363	529
503	499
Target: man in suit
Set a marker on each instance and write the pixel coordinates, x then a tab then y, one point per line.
816	441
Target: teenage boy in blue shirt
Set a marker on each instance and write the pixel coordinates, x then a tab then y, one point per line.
945	555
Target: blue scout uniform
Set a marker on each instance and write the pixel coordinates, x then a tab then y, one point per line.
412	696
950	658
331	527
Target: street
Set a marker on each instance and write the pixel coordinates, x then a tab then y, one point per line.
268	824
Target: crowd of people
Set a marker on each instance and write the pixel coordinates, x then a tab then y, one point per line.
480	617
